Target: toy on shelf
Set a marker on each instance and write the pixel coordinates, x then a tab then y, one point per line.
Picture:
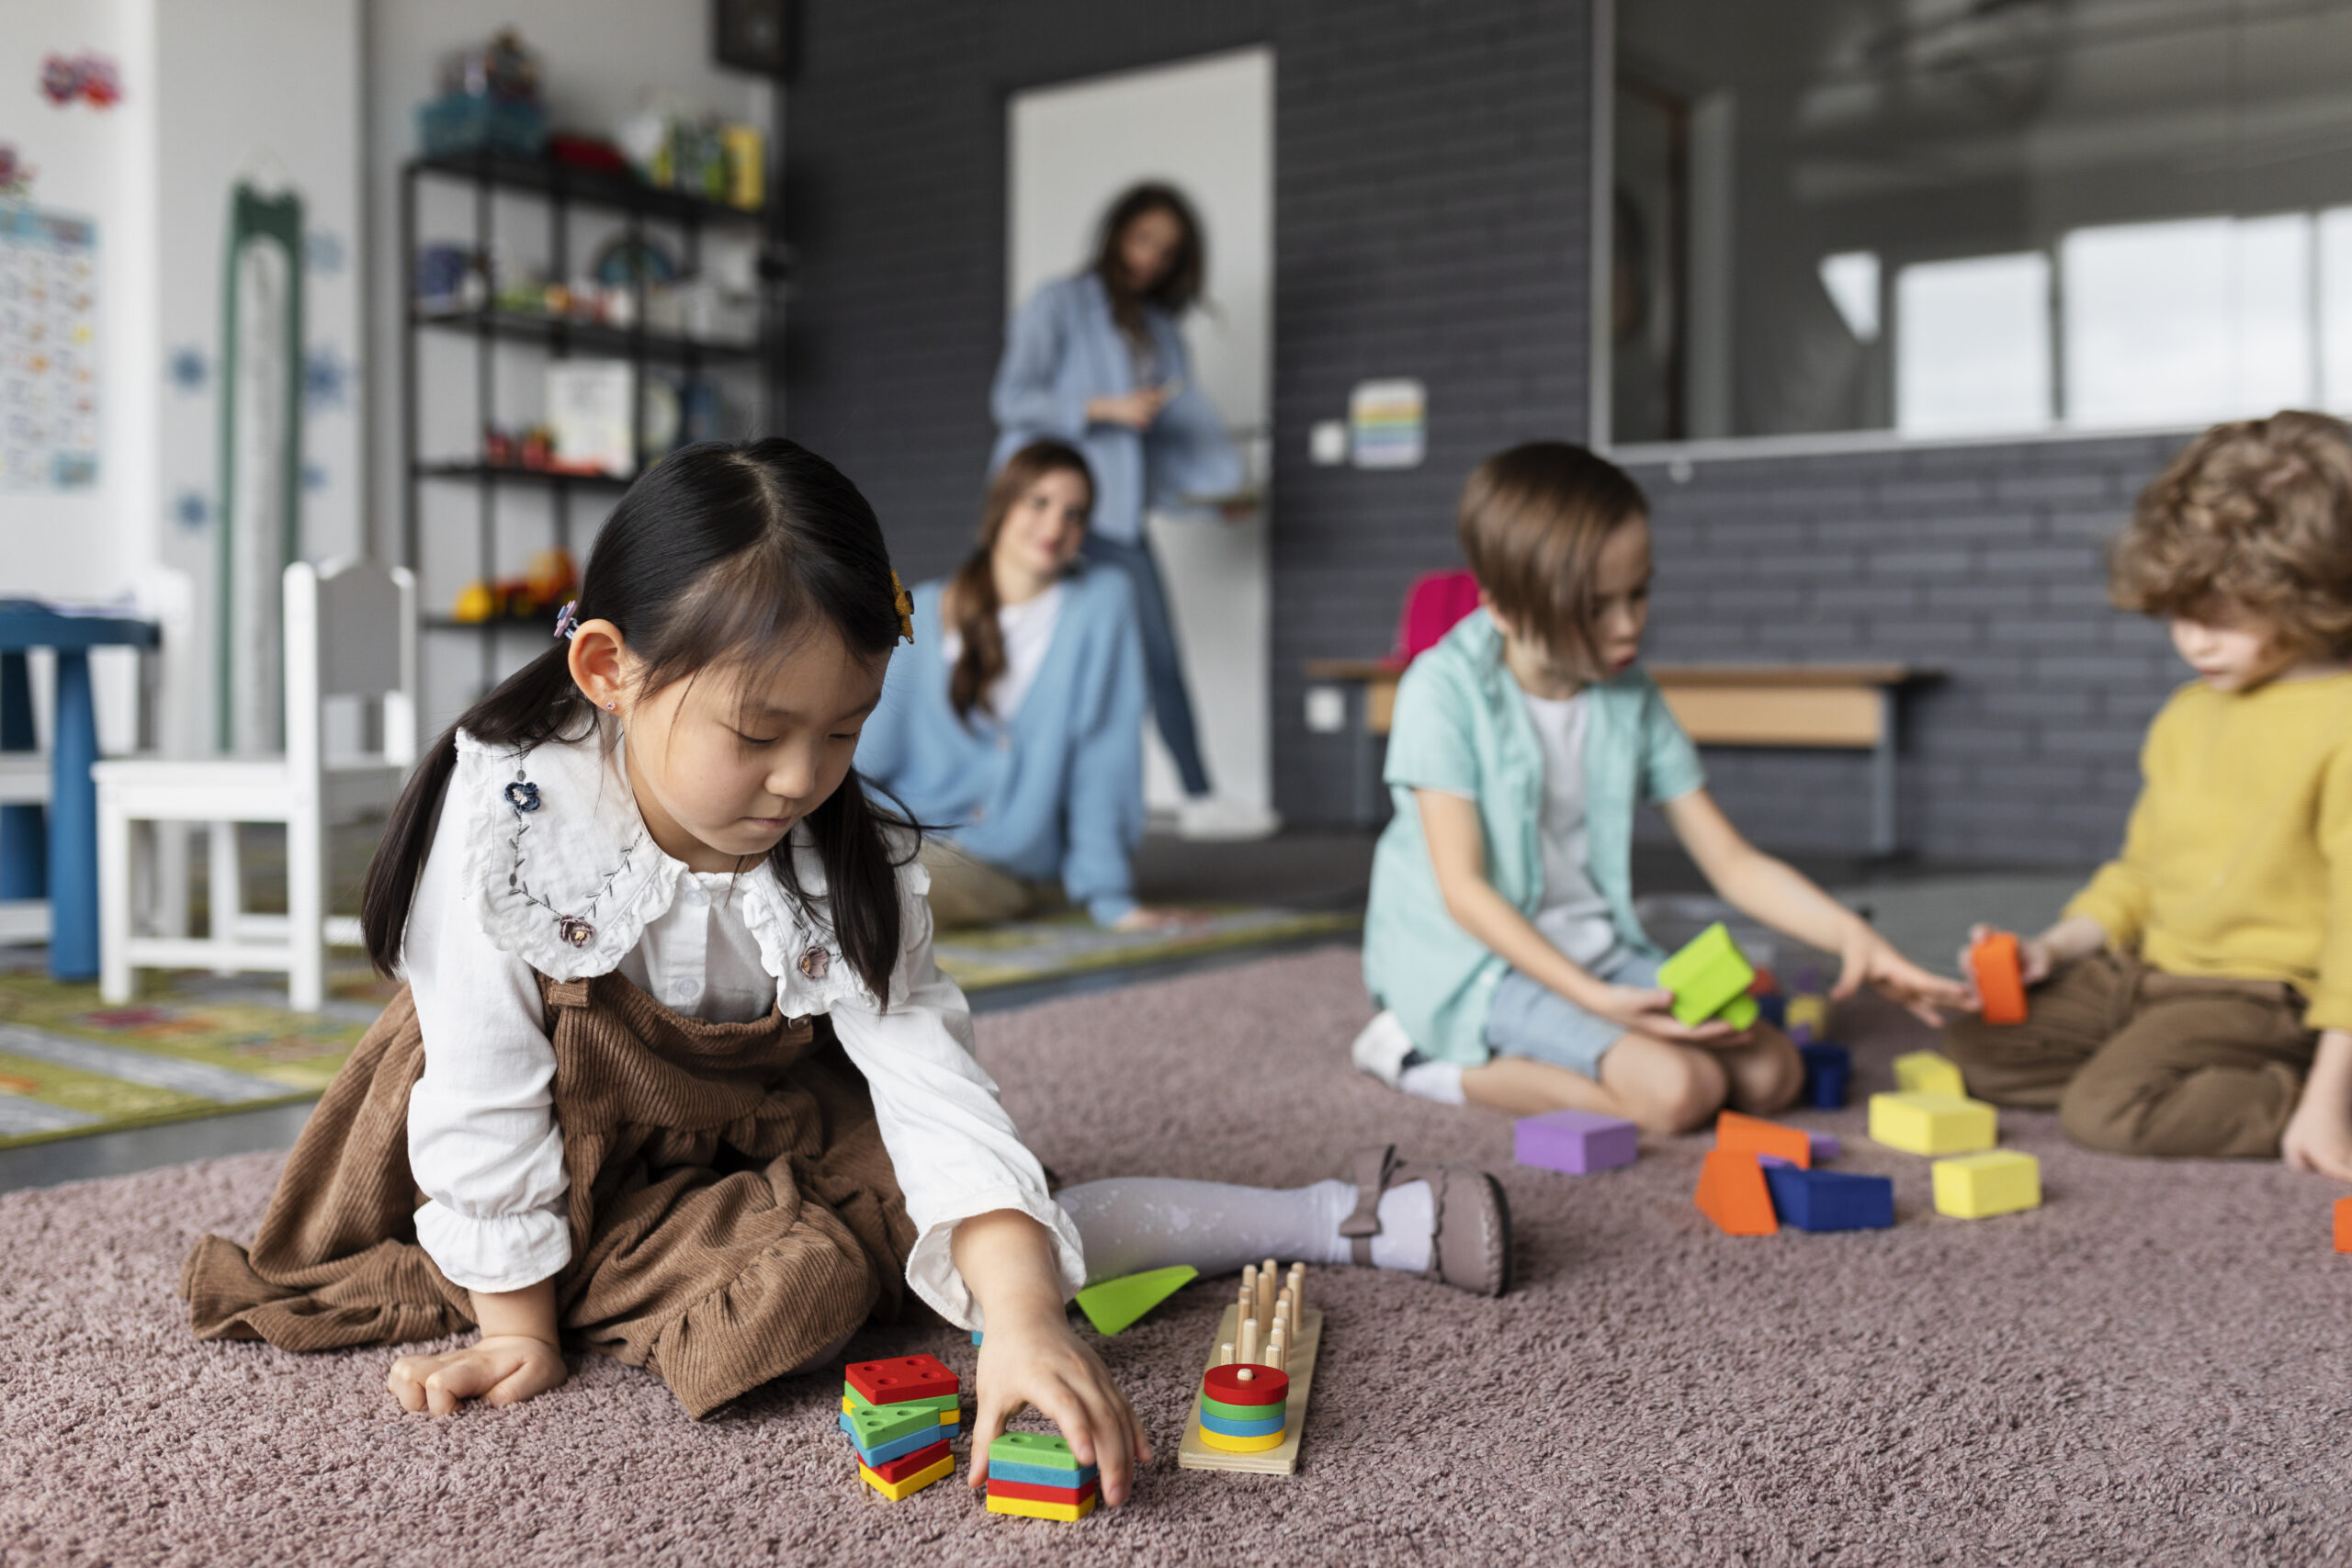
1928	1072
1978	1187
1576	1142
2000	979
1828	1070
1252	1400
1732	1193
1829	1200
551	579
1118	1303
1034	1475
900	1414
1710	979
1932	1124
1753	1134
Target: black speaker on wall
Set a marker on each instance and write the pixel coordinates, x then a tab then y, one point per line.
753	35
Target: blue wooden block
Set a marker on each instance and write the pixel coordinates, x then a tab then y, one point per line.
1830	1199
897	1448
1040	1474
1828	1070
1265	1429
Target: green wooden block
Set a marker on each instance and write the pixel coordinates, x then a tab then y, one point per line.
936	1404
1224	1412
877	1425
1115	1303
1741	1011
1042	1450
1708	977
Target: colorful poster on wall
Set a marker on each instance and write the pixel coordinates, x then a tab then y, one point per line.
1388	423
49	350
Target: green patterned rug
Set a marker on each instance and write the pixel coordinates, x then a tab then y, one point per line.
193	1045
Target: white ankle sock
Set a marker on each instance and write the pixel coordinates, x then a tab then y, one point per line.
1441	1081
1134	1223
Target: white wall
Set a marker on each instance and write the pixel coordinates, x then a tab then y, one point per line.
1206	127
597	57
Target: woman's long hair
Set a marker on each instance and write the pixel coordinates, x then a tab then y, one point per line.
726	552
1176	289
971	593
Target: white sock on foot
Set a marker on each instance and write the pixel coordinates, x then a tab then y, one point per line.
1439	1081
1407	1216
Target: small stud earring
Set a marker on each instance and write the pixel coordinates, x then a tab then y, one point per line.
610	706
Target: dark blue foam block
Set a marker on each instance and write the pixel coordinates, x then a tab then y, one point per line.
1773	1009
1828	1070
1830	1199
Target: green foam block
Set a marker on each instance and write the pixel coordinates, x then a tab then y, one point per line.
937	1402
1044	1449
1116	1304
1710	977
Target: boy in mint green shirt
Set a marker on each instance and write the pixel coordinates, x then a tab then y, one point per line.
1500	943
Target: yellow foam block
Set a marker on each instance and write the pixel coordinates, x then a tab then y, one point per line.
1978	1187
1244	1445
1928	1072
1932	1124
896	1490
1029	1510
1808	1010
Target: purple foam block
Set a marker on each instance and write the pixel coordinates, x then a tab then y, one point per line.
1776	1159
1825	1146
1578	1142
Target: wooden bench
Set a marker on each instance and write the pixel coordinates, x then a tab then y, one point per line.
1826	706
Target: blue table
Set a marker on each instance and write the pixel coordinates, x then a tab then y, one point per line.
63	869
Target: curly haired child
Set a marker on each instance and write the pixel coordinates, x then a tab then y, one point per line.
2196	996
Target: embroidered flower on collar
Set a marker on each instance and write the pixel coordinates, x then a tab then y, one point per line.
522	795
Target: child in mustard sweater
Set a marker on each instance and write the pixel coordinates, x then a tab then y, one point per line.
2195	998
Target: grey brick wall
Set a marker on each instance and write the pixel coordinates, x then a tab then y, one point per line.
1430	200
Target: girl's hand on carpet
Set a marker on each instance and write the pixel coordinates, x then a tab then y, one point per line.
499	1368
1650	1011
2319	1134
1869	959
1036	1360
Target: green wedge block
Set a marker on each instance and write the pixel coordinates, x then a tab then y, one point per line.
1116	1304
1710	977
1045	1449
888	1423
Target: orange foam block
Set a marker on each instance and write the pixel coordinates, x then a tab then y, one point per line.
1731	1193
1755	1135
2344	1224
2000	982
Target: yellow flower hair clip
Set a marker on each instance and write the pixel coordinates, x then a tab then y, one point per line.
904	603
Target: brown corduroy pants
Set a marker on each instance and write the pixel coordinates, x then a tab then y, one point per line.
732	1209
2140	1062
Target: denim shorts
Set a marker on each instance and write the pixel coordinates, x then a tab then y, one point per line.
1528	1019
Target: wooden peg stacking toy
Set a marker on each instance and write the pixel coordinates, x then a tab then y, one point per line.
2000	978
1710	979
900	1415
1928	1072
1033	1474
1252	1397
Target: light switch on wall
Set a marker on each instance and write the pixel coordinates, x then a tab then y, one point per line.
1326	710
1327	442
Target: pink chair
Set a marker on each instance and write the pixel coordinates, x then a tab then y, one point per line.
1434	606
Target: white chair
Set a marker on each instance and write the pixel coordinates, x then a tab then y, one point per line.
350	632
23	781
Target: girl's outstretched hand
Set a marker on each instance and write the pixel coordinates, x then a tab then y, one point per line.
500	1368
1868	958
1033	1358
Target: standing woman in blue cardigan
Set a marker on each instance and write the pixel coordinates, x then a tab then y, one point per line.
1096	360
1014	724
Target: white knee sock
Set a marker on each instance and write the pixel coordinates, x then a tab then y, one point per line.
1134	1223
1439	1081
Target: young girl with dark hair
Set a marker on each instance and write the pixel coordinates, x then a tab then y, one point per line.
1018	730
674	1076
1097	360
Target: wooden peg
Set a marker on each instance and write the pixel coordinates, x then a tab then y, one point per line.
1249	1341
1284	1320
1248	1283
1297	1290
1276	1355
1266	1296
1224	1354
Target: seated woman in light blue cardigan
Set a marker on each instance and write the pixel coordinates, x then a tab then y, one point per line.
1014	724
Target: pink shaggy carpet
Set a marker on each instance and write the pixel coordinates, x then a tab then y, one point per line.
2150	1369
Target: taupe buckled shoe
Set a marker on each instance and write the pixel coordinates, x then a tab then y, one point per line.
1471	1247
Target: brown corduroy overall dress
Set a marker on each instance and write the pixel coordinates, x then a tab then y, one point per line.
732	1209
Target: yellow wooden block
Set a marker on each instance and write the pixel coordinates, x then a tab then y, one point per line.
1243	1444
897	1490
1928	1072
1978	1187
1932	1124
1029	1510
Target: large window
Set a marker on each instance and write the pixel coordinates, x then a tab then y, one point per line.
1977	216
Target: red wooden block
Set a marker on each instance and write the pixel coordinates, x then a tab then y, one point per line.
898	1469
1758	1136
1267	1387
1035	1494
1731	1193
901	1378
2344	1224
1766	982
2000	984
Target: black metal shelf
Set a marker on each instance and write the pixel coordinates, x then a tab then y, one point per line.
619	193
542	625
515	473
557	331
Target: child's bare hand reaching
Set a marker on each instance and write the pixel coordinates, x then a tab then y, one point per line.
498	1368
1867	958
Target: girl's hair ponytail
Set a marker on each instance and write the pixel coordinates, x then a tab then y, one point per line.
971	593
726	552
